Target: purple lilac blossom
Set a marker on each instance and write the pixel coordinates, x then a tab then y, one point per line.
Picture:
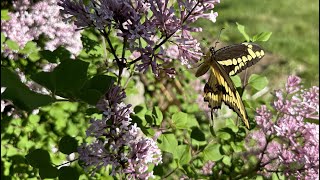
118	142
285	142
207	168
151	21
30	20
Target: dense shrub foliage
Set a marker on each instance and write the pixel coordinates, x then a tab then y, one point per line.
105	89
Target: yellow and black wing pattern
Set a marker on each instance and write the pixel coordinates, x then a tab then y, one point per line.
222	64
237	57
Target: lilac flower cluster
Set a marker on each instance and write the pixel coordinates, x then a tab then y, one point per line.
118	142
145	26
286	143
29	21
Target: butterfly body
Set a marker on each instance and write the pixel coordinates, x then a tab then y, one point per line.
222	64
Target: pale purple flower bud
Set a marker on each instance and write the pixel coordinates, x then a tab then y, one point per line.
97	128
207	168
49	67
212	16
172	51
264	120
292	85
255	141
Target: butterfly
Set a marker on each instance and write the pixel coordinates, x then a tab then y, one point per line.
222	64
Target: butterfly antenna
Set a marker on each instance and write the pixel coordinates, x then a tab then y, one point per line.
217	41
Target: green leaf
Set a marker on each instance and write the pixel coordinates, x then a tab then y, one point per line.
59	54
183	154
241	134
224	135
34	56
140	110
183	121
158	115
257	82
12	45
38	158
226	149
230	124
3	38
66	79
92	47
95	88
277	176
68	173
227	161
20	94
236	80
48	171
100	83
212	152
29	48
71	75
141	121
264	36
237	147
86	2
150	118
197	134
68	145
243	32
168	143
9	79
49	56
4	14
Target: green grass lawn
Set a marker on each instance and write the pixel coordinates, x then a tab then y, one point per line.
294	44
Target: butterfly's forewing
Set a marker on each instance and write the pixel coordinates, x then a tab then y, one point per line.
237	57
221	88
204	67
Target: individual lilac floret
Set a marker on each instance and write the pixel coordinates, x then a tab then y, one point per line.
207	168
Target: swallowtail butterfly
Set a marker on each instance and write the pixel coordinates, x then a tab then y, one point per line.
222	64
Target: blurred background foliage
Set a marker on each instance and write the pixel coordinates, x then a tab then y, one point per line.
294	45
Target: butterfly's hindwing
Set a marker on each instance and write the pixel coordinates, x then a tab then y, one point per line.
237	57
212	96
220	88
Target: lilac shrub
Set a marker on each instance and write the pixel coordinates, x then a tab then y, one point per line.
30	20
118	142
286	142
154	32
